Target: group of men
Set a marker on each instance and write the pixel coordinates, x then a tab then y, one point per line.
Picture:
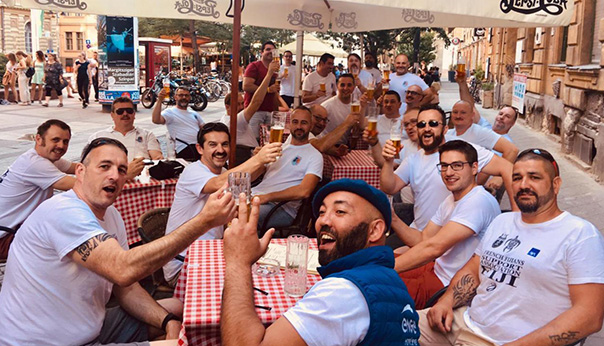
532	277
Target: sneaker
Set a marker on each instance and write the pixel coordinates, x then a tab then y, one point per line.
45	105
84	105
60	105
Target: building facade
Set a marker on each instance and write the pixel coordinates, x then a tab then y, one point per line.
75	31
565	86
16	30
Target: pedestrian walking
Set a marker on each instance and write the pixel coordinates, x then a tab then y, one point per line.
53	79
37	81
22	67
11	81
82	78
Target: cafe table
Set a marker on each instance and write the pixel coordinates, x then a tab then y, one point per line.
137	198
357	164
200	288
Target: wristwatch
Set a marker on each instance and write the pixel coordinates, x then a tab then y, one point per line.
169	317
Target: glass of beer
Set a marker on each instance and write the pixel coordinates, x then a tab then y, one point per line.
372	126
387	74
396	134
285	72
371	89
322	87
167	86
277	127
355	73
276	55
461	65
385	88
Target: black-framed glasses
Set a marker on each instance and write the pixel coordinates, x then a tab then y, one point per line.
541	153
412	122
456	166
413	93
121	111
321	119
99	142
431	123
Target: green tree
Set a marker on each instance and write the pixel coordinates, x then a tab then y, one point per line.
426	51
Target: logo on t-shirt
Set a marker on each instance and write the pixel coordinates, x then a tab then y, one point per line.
296	161
139	139
497	243
533	252
511	244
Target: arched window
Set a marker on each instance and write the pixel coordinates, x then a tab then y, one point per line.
28	44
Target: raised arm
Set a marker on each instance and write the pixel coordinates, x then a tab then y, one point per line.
507	149
500	167
326	142
156	116
464	91
390	183
260	92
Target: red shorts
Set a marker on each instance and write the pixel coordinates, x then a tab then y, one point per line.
422	283
5	244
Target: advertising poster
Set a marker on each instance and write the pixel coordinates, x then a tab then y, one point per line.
519	91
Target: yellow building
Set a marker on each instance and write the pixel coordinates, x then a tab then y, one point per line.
75	31
16	30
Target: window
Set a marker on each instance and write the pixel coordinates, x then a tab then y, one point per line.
28	43
564	45
596	47
80	41
69	41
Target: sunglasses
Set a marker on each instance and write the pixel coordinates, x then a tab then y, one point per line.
431	123
541	153
121	111
99	142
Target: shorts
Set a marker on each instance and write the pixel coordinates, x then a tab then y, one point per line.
422	283
121	328
460	334
5	245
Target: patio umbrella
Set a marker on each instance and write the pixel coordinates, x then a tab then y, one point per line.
323	15
314	47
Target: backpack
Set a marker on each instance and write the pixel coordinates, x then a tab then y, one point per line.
30	72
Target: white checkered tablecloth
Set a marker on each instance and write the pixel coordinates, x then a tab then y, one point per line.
358	164
137	198
200	285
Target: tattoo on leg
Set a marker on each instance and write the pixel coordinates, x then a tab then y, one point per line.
86	248
464	290
564	338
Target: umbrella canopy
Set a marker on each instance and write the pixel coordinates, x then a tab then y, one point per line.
337	15
314	47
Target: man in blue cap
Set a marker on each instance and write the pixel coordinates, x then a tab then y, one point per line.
360	301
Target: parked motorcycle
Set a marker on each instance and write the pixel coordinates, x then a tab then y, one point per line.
199	101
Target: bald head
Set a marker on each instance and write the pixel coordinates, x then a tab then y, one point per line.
414	96
462	116
319	119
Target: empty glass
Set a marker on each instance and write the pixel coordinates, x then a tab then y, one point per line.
239	182
296	261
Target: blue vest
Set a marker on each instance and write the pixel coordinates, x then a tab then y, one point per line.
393	319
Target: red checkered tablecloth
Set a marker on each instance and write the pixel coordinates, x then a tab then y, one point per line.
200	287
358	164
137	198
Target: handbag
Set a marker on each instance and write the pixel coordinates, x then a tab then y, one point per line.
166	170
30	72
6	78
63	83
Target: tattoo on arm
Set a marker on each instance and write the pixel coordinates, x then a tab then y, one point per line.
86	248
464	290
565	338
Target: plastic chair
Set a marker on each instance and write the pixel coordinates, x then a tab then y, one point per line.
151	226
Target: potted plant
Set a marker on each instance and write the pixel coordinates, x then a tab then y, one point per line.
452	73
487	94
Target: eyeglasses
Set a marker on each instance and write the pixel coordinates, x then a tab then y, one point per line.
183	95
320	119
412	122
121	111
431	123
99	142
541	153
456	166
413	93
288	56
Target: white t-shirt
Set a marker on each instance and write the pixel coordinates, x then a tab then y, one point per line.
377	75
295	163
312	82
287	84
337	111
420	172
26	184
138	141
333	312
478	135
365	77
475	210
288	141
245	134
47	298
401	83
485	123
182	124
527	269
188	202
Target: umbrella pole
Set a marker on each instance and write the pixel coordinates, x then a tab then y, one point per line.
235	81
299	67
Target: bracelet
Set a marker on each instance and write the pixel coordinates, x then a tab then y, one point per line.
169	317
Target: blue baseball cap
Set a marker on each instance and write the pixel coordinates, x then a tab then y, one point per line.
359	187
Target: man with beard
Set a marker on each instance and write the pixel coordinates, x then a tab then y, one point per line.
31	179
204	177
71	255
293	177
451	236
183	124
371	66
360	300
419	170
402	79
536	278
141	144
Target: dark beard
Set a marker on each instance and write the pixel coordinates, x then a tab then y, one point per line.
436	142
369	64
351	242
300	138
531	207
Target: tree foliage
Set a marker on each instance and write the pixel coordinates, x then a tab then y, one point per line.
427	50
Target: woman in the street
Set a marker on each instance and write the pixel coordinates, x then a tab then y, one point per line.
53	78
12	72
24	64
37	81
82	78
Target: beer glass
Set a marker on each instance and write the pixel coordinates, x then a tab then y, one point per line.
240	182
370	89
322	87
285	72
355	73
461	65
296	260
277	128
372	121
355	103
396	134
385	88
276	55
387	74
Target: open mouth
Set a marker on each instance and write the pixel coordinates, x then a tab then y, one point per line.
110	189
327	241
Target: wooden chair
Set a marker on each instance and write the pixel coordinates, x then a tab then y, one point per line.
151	226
